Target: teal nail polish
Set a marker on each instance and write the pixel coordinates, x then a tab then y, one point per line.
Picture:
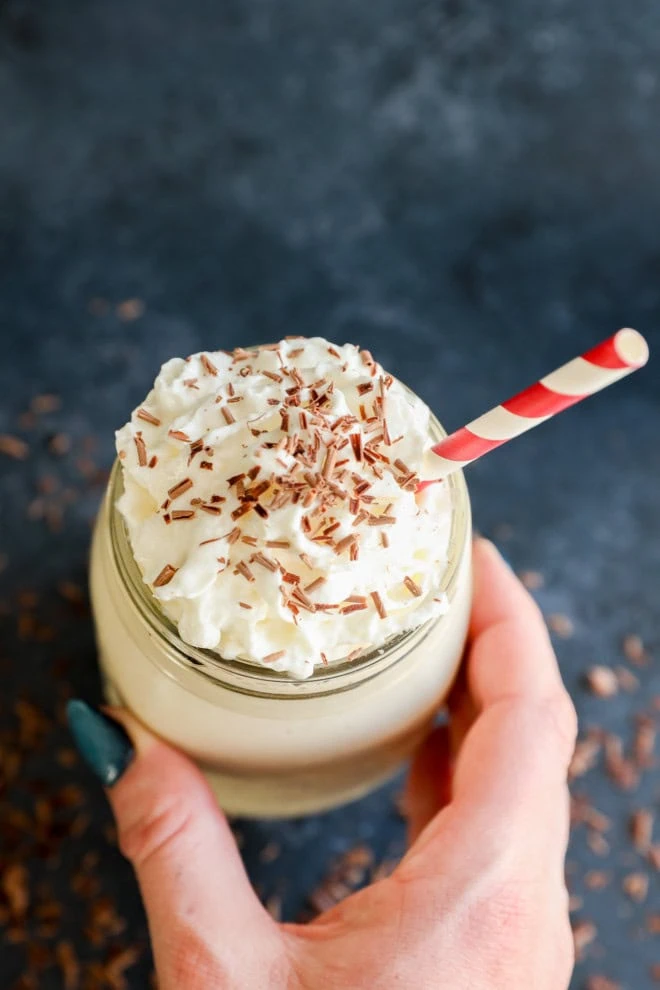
102	742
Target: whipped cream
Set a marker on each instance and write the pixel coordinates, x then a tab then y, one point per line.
271	502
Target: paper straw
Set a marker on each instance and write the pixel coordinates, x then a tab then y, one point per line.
619	355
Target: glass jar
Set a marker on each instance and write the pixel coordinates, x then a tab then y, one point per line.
270	745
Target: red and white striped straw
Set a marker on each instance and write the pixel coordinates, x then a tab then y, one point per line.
601	366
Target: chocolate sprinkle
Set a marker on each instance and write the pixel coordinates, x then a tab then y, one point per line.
412	587
212	510
141	450
345	543
180	489
243	569
378	602
165	576
148	417
273	657
208	365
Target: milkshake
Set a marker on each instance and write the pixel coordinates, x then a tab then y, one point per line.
272	593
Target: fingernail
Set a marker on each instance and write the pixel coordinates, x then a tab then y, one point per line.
103	743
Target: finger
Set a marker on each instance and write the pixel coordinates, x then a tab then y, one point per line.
172	830
428	787
429	784
462	711
513	766
509	787
510	650
188	867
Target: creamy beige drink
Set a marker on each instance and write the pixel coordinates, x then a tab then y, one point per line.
271	592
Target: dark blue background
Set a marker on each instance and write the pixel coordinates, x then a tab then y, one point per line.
469	189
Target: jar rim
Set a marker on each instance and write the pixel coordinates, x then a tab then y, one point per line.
250	678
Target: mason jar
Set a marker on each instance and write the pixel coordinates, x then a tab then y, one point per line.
270	745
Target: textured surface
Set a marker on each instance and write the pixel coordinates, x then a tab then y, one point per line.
469	190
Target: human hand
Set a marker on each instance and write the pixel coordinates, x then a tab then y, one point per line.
477	903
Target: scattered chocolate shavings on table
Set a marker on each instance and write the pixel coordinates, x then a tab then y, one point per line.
597	879
72	593
583	813
98	306
384	869
346	875
636	886
602	681
561	625
641	829
59	922
69	965
585	755
620	768
273	905
15	888
633	648
644	742
270	852
533	580
575	903
625	752
12	446
584	933
130	310
627	680
598	843
602	983
60	444
44	405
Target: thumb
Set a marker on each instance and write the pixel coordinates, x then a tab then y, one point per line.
195	890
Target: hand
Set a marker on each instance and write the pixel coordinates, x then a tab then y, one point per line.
477	903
